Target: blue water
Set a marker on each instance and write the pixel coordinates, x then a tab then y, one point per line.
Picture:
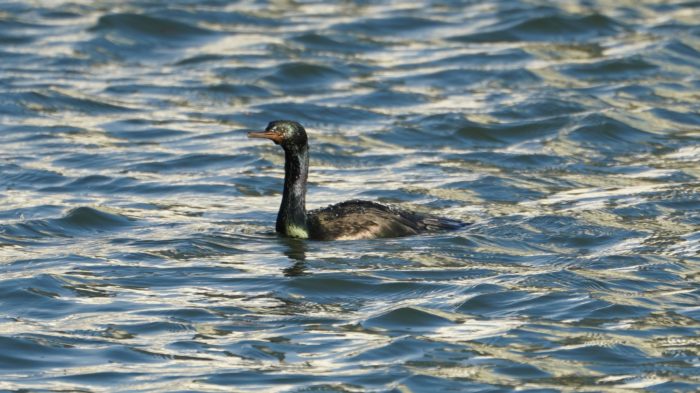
137	245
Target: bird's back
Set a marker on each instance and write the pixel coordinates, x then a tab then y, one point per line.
353	220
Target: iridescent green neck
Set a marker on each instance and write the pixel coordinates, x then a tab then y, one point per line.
291	219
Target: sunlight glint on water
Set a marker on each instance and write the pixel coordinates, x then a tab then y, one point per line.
137	245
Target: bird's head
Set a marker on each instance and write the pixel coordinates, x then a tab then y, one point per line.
286	133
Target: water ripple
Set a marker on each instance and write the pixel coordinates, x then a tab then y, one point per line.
137	244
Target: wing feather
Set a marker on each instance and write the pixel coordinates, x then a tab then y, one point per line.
354	220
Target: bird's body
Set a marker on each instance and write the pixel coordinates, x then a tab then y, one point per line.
356	219
350	220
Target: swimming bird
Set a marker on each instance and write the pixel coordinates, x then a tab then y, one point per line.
350	220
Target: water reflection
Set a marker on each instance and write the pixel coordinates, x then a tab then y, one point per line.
295	250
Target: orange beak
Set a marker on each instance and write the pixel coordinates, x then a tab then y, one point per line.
273	136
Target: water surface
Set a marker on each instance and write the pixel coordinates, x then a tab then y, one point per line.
137	250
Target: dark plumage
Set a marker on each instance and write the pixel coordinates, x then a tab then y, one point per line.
348	220
357	219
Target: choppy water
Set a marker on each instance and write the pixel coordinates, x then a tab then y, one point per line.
136	243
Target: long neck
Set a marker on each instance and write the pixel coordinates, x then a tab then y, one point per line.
291	219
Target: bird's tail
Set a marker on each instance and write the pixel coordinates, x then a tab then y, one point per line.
433	223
